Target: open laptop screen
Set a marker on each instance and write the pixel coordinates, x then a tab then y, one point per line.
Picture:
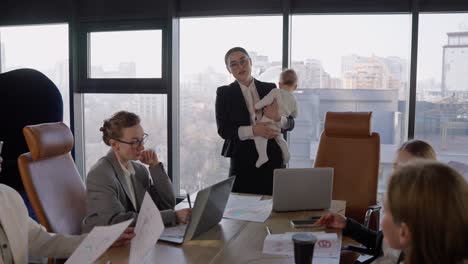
302	189
207	211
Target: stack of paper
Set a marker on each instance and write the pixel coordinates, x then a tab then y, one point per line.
326	249
248	208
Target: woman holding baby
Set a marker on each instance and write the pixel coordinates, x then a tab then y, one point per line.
239	122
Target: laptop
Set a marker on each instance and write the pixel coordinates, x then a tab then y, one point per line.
207	212
302	189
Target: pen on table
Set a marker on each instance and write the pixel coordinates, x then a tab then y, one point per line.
268	230
188	199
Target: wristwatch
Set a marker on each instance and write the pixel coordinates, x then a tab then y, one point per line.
159	164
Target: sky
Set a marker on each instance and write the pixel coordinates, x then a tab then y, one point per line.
323	37
432	35
204	41
108	49
341	35
37	46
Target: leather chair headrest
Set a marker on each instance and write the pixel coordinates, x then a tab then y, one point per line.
48	140
348	124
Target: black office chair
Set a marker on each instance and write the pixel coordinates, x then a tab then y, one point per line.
27	97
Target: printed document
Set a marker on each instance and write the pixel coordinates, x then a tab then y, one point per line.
97	242
148	229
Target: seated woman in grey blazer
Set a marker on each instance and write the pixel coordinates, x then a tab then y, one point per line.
116	184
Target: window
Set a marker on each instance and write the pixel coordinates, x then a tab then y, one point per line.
442	85
350	63
125	54
116	56
202	70
122	65
40	47
152	110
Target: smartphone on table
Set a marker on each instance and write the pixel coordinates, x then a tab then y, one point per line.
305	223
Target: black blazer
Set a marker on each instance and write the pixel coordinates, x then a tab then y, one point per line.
232	112
371	239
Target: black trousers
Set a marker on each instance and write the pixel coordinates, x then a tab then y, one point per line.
250	179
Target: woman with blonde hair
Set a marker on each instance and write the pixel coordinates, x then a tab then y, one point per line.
414	148
426	213
371	239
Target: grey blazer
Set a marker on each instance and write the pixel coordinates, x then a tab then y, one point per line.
107	192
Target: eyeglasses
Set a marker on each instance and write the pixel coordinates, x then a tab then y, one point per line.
135	143
235	64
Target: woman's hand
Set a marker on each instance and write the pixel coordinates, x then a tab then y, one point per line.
272	111
183	215
125	238
149	157
265	129
332	220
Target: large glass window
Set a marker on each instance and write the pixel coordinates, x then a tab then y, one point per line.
125	54
202	70
152	110
442	85
350	63
40	47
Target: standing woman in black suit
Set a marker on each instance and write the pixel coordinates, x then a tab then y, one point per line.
236	121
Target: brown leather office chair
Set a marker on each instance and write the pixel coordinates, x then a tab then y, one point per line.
348	145
51	180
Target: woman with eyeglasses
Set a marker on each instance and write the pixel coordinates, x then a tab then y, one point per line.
238	123
116	184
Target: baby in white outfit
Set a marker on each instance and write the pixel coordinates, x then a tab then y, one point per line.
287	107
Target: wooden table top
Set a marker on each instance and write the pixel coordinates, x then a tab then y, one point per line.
231	241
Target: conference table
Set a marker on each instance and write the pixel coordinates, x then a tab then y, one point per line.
231	241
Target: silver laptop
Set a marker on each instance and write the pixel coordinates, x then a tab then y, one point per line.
207	212
302	189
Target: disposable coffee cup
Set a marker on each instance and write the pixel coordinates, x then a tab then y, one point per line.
303	247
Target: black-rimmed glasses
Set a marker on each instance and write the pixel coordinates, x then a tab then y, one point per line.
135	143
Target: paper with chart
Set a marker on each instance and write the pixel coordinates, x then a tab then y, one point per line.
97	242
326	249
148	228
248	208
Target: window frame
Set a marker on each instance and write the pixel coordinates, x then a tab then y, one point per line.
86	84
